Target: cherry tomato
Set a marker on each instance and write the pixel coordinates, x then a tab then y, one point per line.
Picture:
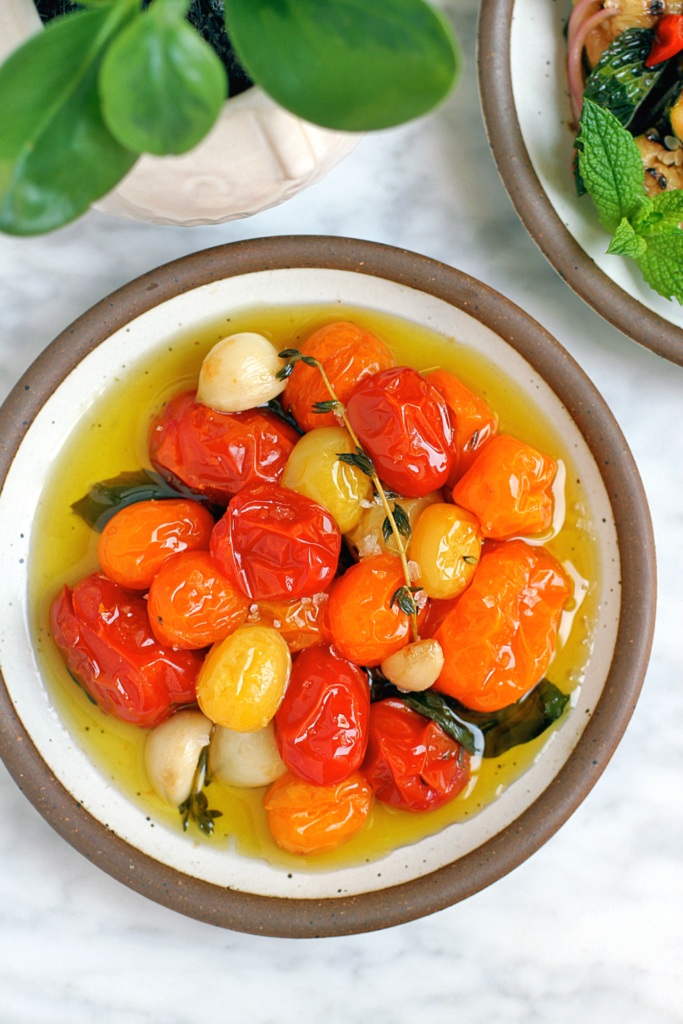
192	603
509	488
104	636
321	726
348	354
473	422
364	626
219	453
299	622
274	543
500	637
403	424
411	762
437	610
137	541
309	819
668	40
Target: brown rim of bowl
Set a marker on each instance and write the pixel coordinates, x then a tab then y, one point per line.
505	851
536	211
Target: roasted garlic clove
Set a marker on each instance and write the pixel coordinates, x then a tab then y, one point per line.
240	373
172	753
245	758
415	667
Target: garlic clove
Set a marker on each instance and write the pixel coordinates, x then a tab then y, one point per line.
247	759
172	753
240	373
415	667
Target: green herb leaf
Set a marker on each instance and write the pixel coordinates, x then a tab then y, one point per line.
470	559
611	166
289	353
108	497
196	807
310	361
402	521
323	407
286	371
354	65
161	86
403	597
56	153
387	530
662	263
275	406
663	213
358	459
620	82
626	242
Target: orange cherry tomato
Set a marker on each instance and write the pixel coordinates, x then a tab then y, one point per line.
299	622
509	488
437	610
500	637
137	541
364	626
348	353
274	544
473	422
310	819
192	603
103	633
219	453
411	762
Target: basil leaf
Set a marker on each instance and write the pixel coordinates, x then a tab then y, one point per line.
56	153
610	165
487	733
161	85
108	497
354	65
620	81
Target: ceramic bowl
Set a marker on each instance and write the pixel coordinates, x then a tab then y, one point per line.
219	886
525	99
257	155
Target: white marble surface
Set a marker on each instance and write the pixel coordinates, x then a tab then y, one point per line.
590	927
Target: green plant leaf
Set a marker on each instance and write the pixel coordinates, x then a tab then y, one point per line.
161	86
354	65
611	166
662	263
626	242
620	81
56	153
663	213
106	498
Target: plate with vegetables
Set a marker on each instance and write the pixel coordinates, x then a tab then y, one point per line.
584	111
327	585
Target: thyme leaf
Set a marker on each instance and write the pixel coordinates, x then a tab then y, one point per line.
196	807
470	559
358	459
403	597
402	521
323	407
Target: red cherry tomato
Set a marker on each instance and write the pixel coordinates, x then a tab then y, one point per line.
411	762
668	40
219	453
192	604
473	422
274	543
321	727
104	636
500	637
403	424
139	539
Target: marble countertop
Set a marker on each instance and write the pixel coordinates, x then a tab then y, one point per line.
590	926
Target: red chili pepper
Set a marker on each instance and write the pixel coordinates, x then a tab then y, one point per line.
668	41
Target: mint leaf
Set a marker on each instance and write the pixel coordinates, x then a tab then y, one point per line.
662	263
610	165
663	213
626	242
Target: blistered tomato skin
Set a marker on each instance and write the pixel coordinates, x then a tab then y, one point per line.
500	637
509	489
307	819
192	603
299	622
474	424
104	636
403	424
216	453
314	469
275	544
139	539
364	627
321	726
446	544
411	763
243	679
348	353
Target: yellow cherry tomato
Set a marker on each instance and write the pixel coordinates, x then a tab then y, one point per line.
314	469
446	544
244	678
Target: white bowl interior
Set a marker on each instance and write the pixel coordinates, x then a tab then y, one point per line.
21	495
538	64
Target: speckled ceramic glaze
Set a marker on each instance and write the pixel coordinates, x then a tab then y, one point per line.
525	99
218	885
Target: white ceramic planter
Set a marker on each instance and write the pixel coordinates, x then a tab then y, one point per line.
256	156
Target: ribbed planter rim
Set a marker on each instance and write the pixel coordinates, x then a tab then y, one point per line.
464	877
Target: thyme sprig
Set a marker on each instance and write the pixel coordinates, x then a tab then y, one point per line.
362	461
196	807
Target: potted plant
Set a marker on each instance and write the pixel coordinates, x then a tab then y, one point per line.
116	92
